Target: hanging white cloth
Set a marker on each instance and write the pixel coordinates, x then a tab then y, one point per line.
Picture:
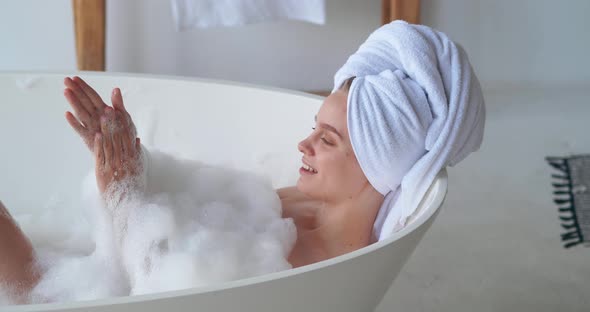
189	14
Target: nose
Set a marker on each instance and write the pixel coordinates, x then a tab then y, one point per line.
305	147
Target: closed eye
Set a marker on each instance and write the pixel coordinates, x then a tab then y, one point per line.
326	141
323	139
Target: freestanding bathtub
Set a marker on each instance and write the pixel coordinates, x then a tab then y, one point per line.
238	125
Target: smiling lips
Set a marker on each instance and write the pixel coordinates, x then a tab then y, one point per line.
308	168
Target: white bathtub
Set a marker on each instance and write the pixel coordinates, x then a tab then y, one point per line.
255	128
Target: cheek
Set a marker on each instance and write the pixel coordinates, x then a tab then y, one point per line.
343	170
356	176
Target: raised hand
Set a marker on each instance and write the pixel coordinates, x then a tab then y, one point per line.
89	108
117	153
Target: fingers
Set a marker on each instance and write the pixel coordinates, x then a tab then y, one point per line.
107	143
115	150
95	99
138	150
118	153
120	146
3	211
75	103
82	99
127	136
117	100
75	124
99	150
129	144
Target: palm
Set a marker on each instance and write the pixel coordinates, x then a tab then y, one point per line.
89	108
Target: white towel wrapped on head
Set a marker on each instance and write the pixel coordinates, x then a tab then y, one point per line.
414	108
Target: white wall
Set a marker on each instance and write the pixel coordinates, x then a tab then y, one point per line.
510	42
519	42
36	35
288	54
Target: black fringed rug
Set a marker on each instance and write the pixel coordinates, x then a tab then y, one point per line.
571	191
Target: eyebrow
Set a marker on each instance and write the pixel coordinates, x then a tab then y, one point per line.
328	127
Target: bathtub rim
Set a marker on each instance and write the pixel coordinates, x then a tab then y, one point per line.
438	190
163	77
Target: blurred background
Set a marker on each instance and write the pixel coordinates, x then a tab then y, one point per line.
523	43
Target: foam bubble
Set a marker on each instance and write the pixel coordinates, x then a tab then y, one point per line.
187	225
27	82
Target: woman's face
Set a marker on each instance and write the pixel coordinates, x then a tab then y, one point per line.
330	170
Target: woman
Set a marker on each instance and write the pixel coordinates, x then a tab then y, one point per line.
405	105
334	221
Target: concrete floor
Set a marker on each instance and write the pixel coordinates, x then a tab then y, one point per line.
496	243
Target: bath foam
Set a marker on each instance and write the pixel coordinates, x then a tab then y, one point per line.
192	225
27	82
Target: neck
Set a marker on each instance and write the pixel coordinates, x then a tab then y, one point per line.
342	226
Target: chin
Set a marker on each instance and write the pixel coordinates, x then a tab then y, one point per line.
299	186
303	187
308	189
